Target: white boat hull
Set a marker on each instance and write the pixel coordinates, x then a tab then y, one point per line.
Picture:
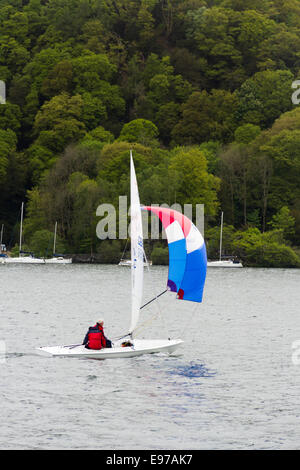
24	260
128	263
139	347
58	260
223	264
30	260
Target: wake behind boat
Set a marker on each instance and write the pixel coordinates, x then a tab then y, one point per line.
186	278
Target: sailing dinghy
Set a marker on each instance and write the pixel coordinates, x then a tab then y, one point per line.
186	277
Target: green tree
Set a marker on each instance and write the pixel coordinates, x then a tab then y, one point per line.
8	141
264	97
264	250
246	134
206	117
191	181
36	216
283	220
84	193
210	31
97	138
41	243
211	150
10	117
58	80
59	122
139	130
166	119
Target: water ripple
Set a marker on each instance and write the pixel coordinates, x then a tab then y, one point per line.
233	384
193	370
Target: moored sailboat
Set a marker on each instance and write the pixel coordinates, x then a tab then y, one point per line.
30	259
57	259
230	262
128	263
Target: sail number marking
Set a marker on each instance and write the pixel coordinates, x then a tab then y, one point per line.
140	248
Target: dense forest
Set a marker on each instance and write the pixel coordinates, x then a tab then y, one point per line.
199	89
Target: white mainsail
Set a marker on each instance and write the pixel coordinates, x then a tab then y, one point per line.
137	250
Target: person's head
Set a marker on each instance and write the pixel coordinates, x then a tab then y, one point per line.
100	322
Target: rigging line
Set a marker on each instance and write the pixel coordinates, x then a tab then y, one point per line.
147	322
155	315
154	298
12	233
121	337
124	249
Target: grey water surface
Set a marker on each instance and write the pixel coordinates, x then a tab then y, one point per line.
234	384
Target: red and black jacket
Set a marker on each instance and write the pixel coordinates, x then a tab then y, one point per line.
95	339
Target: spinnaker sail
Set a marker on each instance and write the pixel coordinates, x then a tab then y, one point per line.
187	254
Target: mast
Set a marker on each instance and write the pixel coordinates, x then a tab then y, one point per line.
54	243
221	235
21	229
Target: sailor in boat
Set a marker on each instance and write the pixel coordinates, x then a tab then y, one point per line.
95	338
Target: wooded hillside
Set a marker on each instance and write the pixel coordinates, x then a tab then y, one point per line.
201	90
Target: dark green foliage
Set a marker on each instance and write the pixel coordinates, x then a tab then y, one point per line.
41	243
264	250
110	251
200	90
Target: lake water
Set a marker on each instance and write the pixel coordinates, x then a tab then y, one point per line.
233	384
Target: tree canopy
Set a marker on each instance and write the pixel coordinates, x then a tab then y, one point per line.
200	90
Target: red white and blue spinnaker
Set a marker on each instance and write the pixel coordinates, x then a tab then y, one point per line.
187	254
